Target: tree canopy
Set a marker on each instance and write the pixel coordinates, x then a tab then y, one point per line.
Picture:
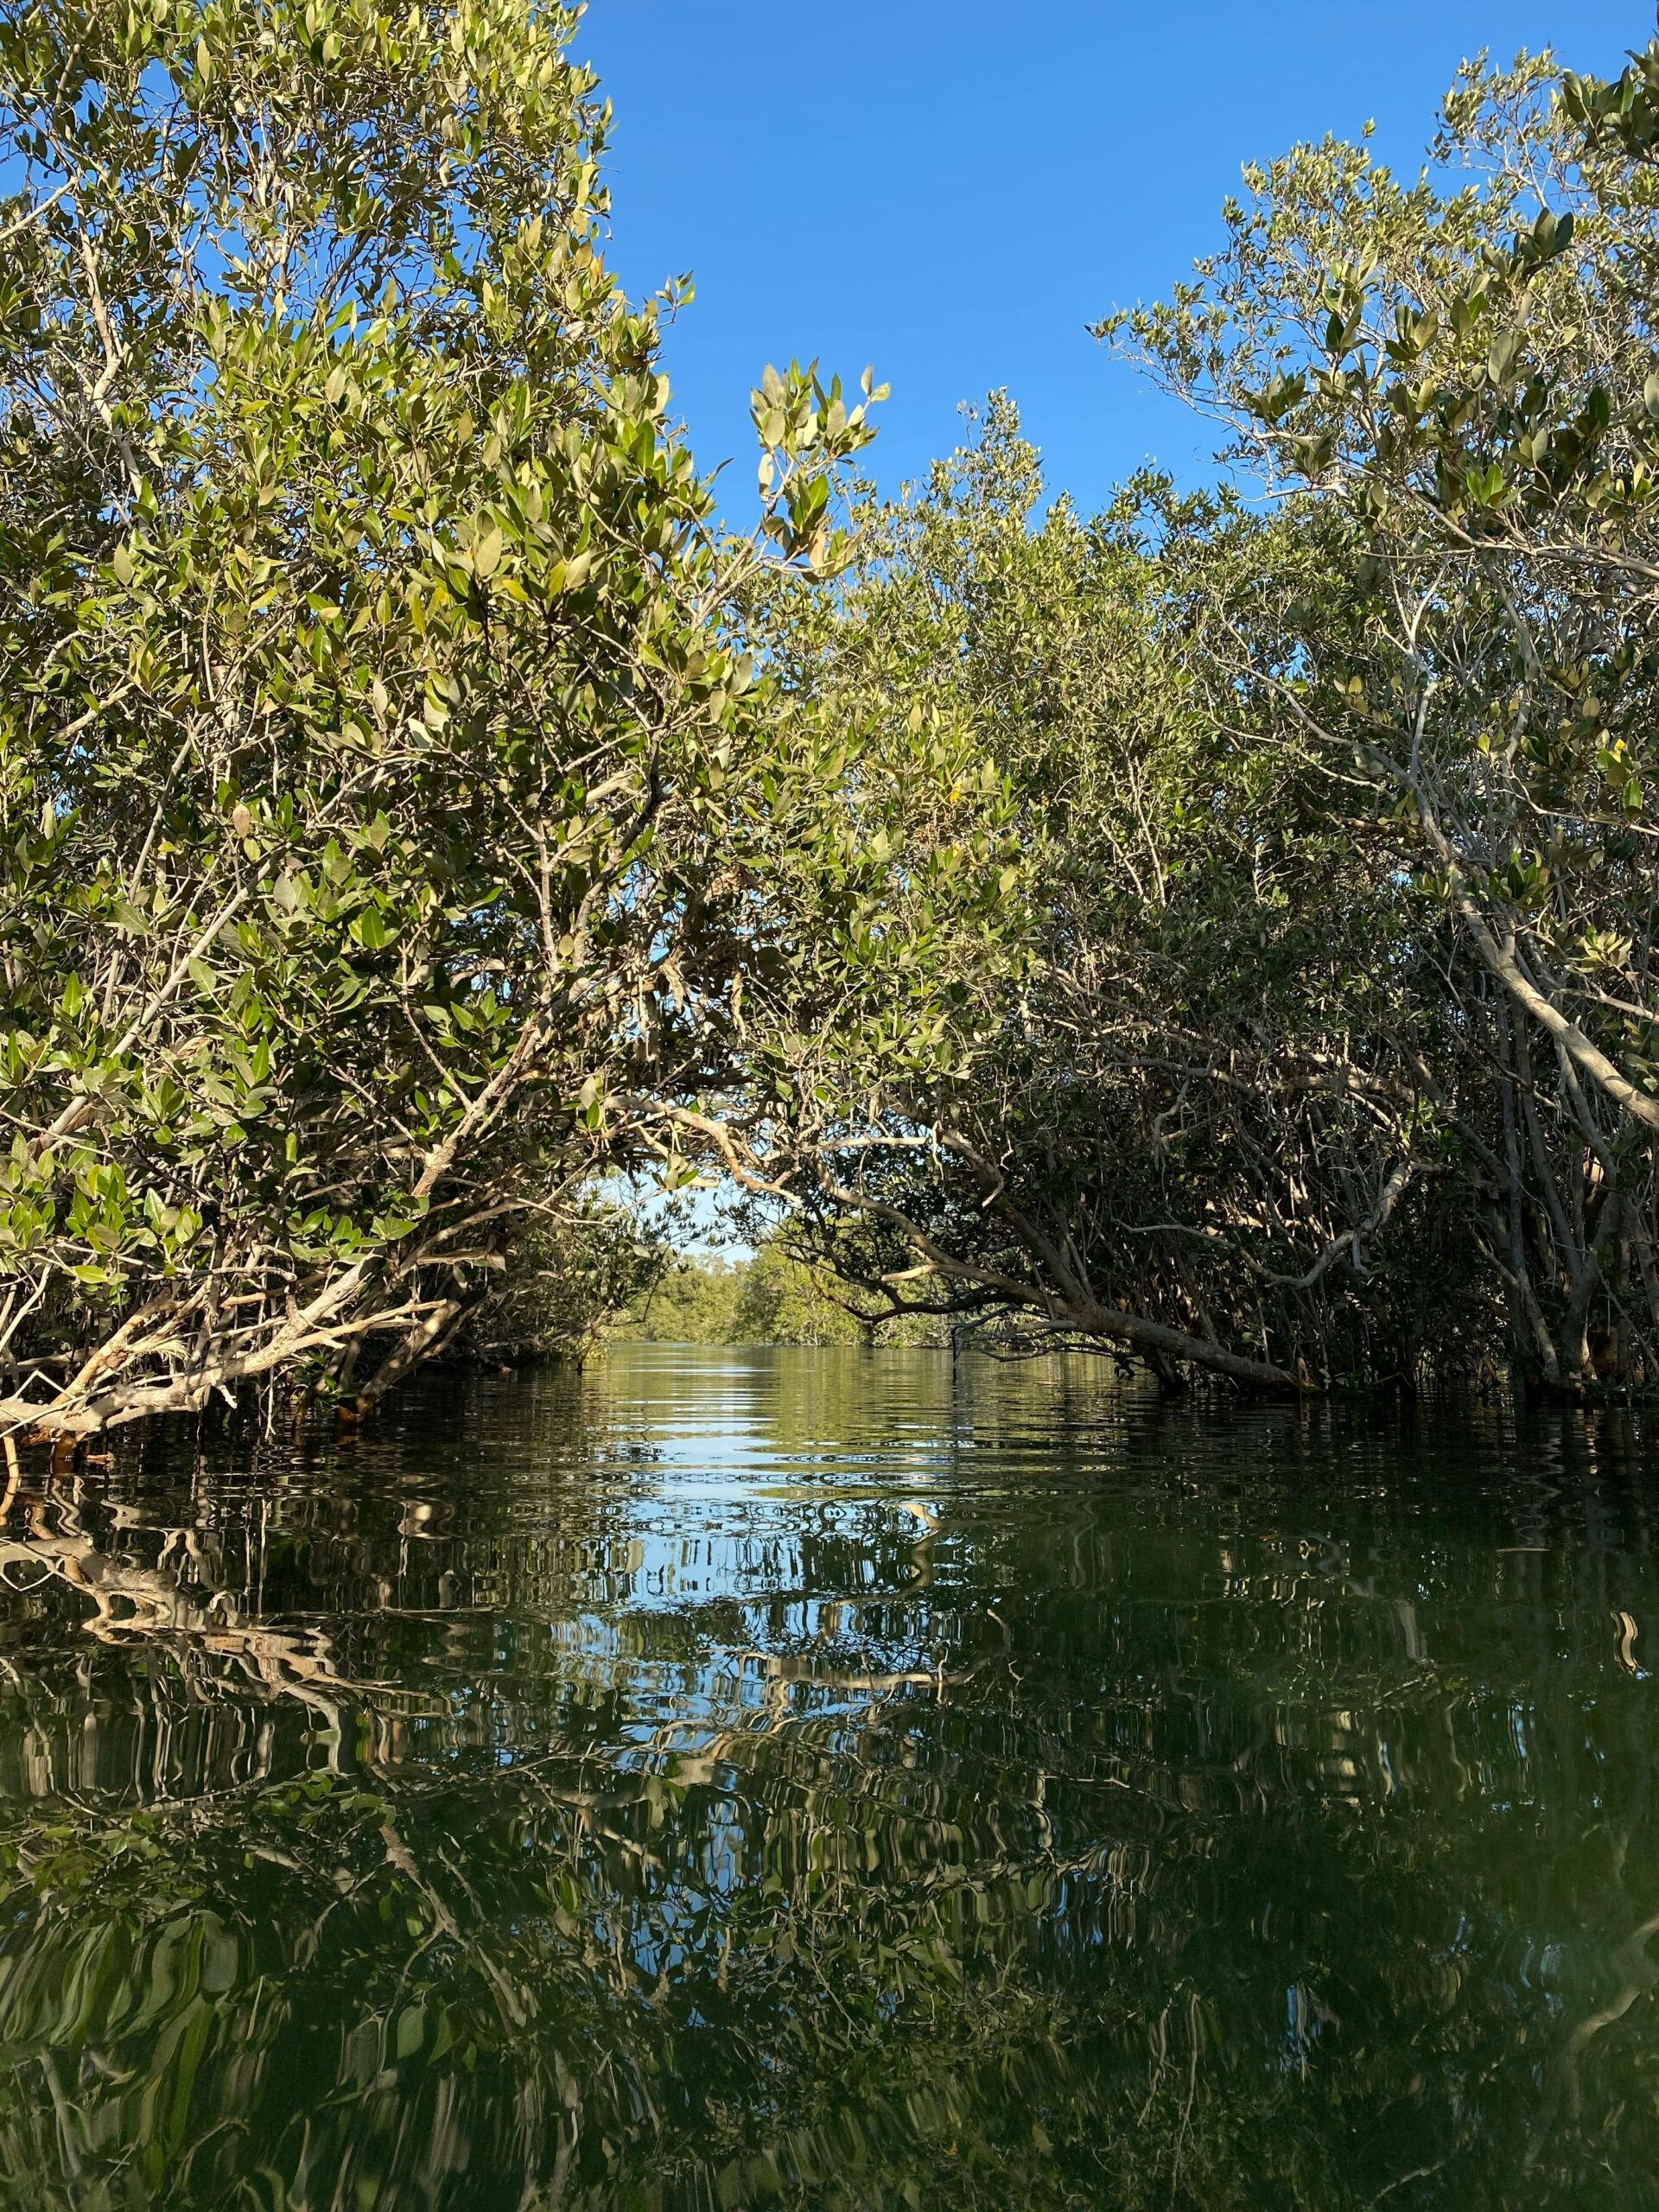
1219	929
1336	1058
396	836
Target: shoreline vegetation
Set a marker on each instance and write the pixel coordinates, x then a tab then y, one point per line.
764	1297
1219	932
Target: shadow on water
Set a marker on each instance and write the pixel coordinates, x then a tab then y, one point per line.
834	1779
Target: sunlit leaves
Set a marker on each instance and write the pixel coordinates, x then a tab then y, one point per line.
375	753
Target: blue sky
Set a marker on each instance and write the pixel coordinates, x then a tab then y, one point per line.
952	190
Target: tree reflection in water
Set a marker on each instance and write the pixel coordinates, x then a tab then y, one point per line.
829	1779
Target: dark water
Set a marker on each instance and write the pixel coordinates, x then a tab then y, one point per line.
812	1779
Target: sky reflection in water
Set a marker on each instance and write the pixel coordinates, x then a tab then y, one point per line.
825	1779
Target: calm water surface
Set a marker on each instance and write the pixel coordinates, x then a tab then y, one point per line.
821	1779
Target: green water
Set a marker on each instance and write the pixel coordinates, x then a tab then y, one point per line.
822	1779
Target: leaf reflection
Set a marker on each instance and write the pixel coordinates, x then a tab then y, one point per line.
831	1782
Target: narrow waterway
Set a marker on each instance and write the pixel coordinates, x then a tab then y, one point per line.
839	1780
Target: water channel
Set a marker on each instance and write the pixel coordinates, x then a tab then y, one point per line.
834	1779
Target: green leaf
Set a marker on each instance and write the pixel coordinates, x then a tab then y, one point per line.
487	554
370	929
1501	355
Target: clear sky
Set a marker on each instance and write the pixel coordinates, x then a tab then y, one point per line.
952	190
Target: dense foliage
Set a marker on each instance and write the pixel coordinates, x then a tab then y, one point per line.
1462	387
1220	930
1206	1089
394	835
1338	1056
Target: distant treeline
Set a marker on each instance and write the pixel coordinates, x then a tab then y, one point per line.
764	1297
